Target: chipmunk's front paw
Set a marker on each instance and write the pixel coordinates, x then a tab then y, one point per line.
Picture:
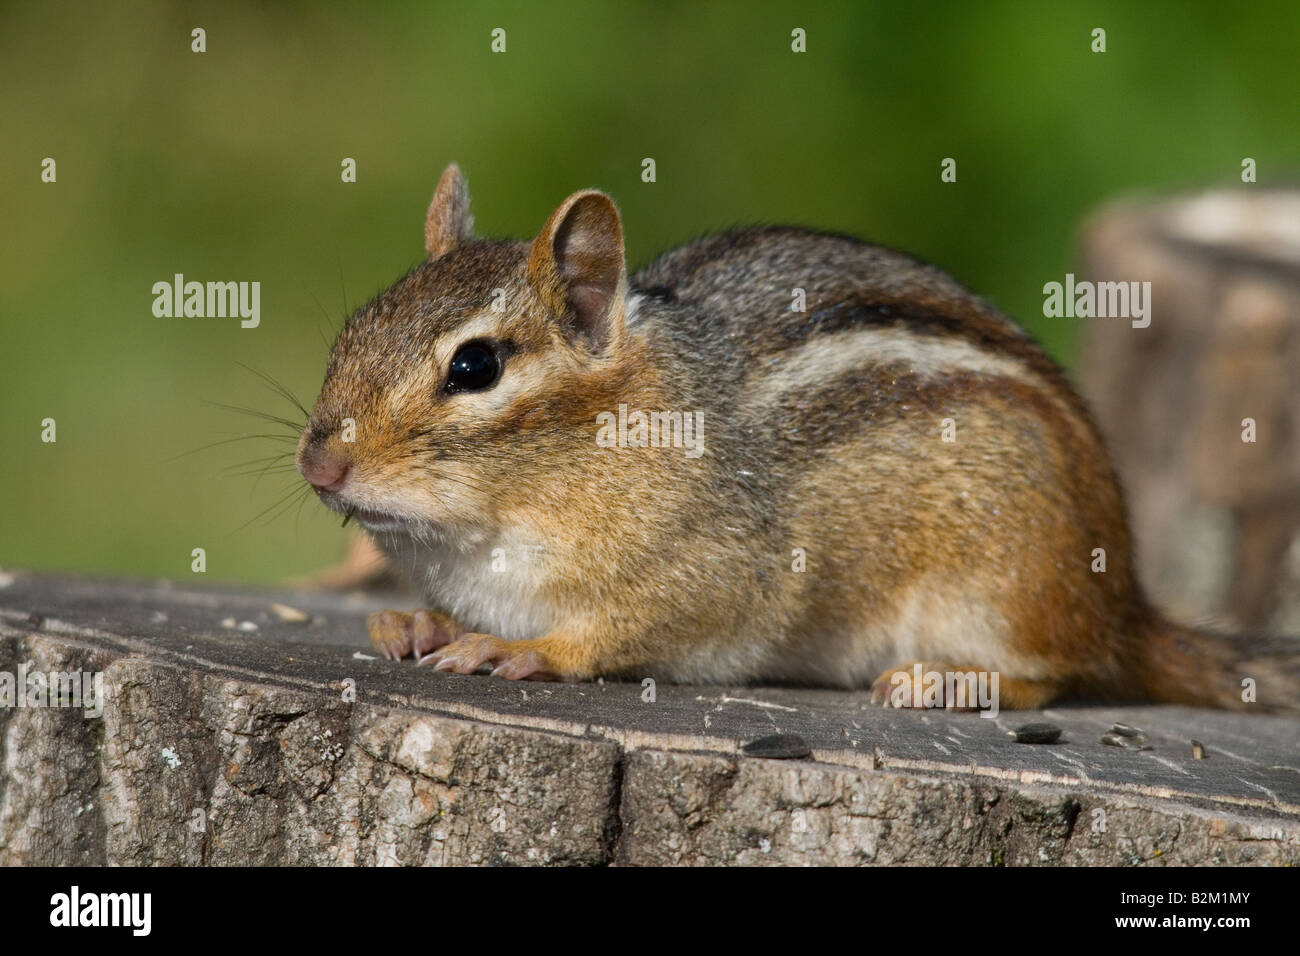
396	634
513	660
919	684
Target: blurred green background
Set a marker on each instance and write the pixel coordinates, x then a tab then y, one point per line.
226	166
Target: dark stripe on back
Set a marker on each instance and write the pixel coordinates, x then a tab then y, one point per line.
990	332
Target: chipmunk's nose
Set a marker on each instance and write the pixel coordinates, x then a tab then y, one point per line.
325	470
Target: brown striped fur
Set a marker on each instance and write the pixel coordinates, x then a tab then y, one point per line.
822	433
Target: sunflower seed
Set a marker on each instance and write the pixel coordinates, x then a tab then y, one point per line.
1036	734
778	747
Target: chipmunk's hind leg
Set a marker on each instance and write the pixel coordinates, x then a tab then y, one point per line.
1018	694
895	688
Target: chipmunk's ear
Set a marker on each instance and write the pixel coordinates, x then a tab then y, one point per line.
576	265
448	223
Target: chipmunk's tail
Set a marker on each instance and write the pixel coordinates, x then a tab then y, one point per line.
1203	668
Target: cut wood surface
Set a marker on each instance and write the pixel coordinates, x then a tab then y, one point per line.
232	735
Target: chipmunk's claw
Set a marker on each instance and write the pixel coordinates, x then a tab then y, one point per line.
513	660
396	634
468	654
524	665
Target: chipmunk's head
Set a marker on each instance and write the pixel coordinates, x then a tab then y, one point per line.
451	398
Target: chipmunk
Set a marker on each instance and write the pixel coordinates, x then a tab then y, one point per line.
826	534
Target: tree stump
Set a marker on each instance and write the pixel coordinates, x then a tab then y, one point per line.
1201	408
217	730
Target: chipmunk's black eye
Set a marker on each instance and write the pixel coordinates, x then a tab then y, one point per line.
474	367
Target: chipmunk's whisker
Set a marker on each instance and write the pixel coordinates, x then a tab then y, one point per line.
279	456
254	413
227	441
287	494
279	389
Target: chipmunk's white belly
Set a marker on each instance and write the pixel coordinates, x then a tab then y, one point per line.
491	588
